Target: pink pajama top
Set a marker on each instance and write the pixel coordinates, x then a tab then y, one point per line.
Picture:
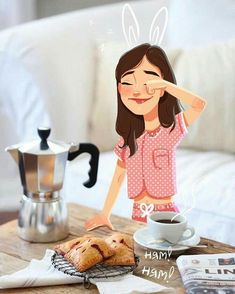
153	167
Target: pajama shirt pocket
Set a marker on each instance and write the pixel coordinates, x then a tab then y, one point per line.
161	158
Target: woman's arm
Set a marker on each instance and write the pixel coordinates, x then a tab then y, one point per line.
197	104
103	218
114	188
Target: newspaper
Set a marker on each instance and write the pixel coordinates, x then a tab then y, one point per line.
208	273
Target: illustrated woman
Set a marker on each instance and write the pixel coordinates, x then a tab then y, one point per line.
151	124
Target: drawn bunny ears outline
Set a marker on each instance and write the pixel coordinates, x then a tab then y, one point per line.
131	30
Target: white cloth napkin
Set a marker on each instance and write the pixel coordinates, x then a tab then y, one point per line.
42	273
38	273
130	284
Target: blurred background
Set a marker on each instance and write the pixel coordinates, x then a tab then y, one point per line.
15	12
219	16
57	63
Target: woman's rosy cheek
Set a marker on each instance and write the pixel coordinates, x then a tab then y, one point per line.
125	90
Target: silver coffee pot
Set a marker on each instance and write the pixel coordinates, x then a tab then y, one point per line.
43	213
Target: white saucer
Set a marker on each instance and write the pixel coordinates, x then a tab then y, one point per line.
143	238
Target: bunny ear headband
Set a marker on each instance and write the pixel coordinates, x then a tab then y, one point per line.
131	30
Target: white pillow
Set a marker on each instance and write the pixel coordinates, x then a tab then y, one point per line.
208	72
57	56
103	116
22	109
46	79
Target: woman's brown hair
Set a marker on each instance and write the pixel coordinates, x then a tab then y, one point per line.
129	125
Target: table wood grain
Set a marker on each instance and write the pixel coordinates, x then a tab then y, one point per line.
15	253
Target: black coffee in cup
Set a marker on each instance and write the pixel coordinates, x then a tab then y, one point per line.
167	221
169	226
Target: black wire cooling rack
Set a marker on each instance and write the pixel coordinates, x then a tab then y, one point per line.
99	271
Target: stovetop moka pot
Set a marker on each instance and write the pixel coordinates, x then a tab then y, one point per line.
43	213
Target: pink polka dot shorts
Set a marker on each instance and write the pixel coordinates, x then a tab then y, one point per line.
141	210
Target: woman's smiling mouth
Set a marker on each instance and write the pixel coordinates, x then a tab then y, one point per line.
140	100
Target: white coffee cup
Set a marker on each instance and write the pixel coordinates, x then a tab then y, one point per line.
173	230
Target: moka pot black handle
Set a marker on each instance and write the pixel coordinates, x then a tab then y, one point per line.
94	161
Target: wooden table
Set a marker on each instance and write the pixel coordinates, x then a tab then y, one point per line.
15	253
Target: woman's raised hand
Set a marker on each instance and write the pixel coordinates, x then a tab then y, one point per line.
158	84
98	221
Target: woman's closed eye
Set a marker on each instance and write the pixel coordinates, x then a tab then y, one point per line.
126	83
